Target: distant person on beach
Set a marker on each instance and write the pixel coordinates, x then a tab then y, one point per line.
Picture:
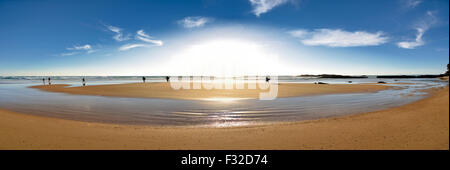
143	79
267	79
43	80
49	83
167	78
84	81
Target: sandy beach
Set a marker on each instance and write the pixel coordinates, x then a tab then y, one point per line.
164	90
423	124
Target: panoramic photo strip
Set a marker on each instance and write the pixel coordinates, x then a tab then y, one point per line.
224	75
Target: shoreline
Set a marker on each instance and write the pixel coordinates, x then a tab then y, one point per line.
164	90
419	125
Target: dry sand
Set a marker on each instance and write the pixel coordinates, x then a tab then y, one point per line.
420	125
163	90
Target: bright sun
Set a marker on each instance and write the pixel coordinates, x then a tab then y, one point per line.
224	57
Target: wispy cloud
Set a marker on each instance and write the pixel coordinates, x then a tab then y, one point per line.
421	27
338	38
77	48
68	54
300	33
83	47
412	3
119	34
141	35
263	6
130	46
413	44
193	22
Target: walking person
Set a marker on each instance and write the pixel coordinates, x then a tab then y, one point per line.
49	82
143	79
267	79
43	80
167	78
84	81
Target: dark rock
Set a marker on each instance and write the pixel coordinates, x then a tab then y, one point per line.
331	76
320	83
411	76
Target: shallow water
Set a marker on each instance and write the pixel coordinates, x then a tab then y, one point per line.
15	96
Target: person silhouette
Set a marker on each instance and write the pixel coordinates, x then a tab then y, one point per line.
267	79
84	81
143	79
49	83
167	78
43	80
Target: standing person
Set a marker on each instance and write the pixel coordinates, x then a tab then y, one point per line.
267	79
43	80
167	78
49	83
143	79
84	81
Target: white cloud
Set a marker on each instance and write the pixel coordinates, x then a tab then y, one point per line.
263	6
193	22
130	46
338	38
300	33
413	44
141	35
68	54
77	48
83	47
412	3
421	27
119	35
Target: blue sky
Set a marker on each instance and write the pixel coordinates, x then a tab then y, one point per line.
158	37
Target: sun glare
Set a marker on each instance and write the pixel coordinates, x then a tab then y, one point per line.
224	57
223	99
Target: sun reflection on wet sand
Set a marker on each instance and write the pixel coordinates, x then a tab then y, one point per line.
223	99
229	124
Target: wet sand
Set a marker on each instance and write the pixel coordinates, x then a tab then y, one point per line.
423	124
164	90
